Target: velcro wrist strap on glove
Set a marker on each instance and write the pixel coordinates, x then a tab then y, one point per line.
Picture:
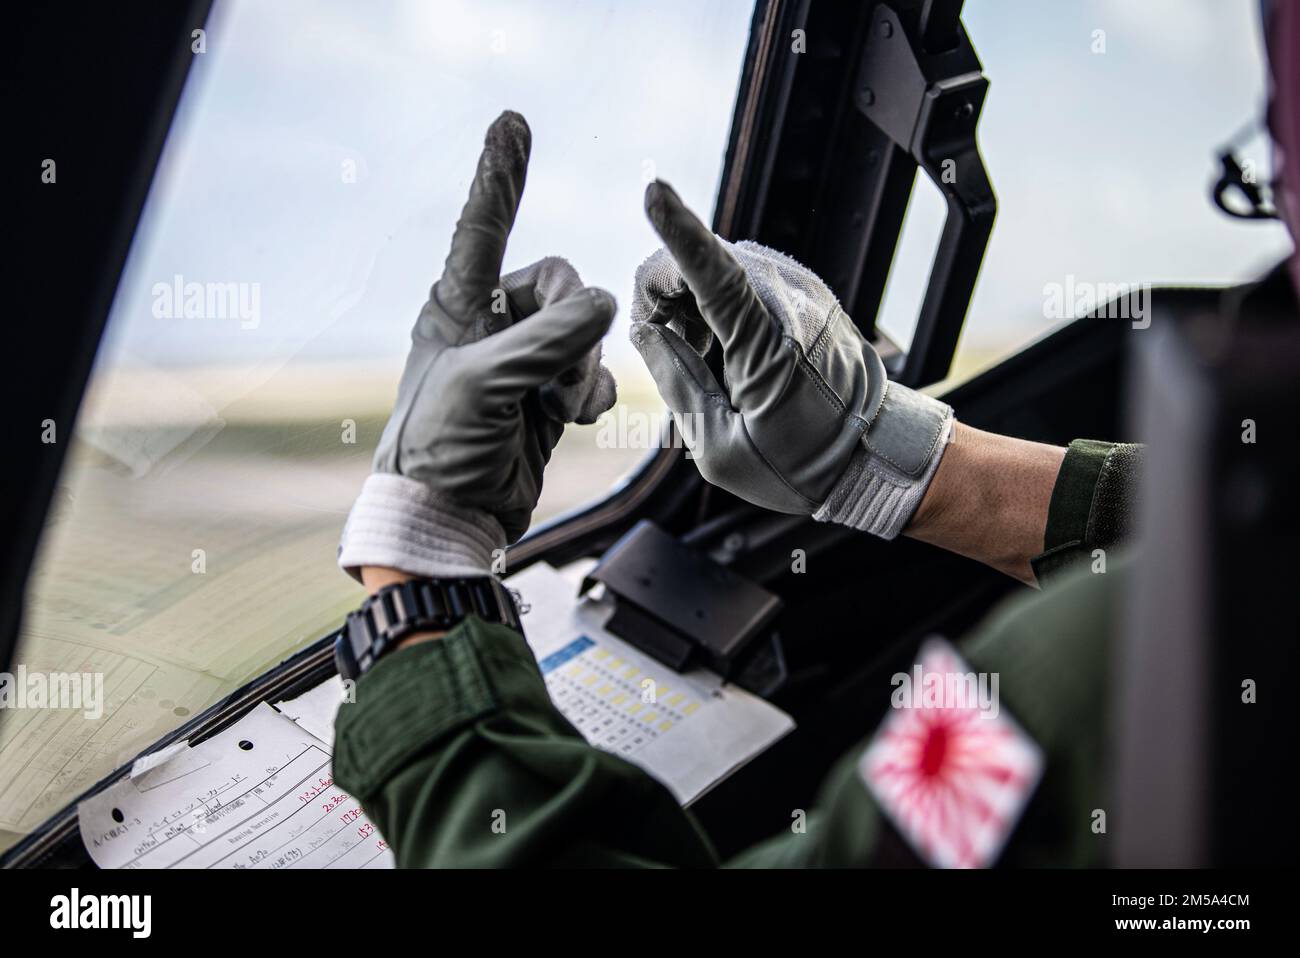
805	419
887	478
400	523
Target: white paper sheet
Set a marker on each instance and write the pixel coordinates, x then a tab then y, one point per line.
223	804
115	597
696	731
260	794
316	709
689	730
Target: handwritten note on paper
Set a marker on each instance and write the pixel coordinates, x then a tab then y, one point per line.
107	599
258	795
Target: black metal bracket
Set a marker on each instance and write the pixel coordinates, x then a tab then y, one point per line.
677	604
922	85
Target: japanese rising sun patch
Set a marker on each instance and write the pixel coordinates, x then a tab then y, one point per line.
948	766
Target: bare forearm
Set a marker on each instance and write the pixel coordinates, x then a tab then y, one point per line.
989	500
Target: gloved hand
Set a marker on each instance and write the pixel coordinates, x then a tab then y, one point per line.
806	421
497	366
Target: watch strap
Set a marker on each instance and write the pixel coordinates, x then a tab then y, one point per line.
418	605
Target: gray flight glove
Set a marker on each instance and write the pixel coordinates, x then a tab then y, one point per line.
806	421
497	366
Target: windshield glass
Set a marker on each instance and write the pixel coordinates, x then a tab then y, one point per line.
1101	133
303	207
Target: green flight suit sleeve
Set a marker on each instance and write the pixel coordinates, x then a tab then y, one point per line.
1093	504
458	756
1049	651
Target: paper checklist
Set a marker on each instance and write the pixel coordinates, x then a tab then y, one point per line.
258	795
261	793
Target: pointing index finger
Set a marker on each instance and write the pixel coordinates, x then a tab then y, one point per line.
473	265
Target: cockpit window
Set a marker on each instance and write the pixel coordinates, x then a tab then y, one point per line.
301	211
303	206
1101	165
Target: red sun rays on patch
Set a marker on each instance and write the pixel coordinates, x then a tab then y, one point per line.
950	769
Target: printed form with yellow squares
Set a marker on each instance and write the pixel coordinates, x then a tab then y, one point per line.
614	703
690	730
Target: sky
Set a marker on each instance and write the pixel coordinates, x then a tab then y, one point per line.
1101	161
251	189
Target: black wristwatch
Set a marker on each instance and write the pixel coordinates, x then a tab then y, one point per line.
417	605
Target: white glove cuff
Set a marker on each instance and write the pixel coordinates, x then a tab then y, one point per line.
400	523
887	477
